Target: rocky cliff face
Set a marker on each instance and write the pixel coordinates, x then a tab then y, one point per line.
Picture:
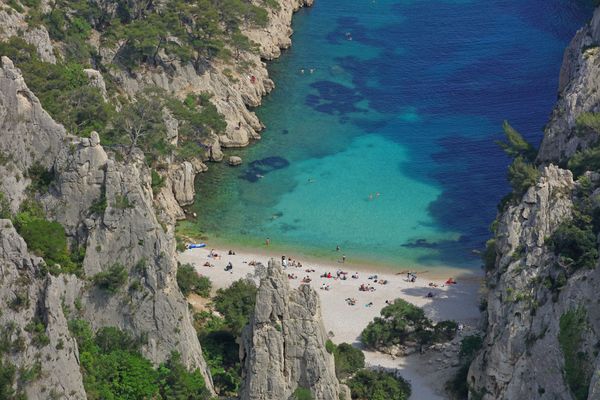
542	320
283	348
125	230
523	314
29	297
579	92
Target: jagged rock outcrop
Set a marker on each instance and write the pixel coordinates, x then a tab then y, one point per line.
29	134
106	206
523	314
579	92
283	348
28	297
530	289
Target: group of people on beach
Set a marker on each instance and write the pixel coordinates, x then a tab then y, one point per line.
289	262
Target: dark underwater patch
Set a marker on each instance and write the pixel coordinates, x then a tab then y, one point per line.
334	98
259	168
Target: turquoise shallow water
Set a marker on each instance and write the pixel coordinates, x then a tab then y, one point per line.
405	99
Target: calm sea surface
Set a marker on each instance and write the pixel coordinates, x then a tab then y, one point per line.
401	101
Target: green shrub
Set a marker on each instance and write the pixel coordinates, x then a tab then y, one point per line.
578	366
190	282
378	385
7	380
585	160
158	182
402	322
221	352
41	178
111	279
236	304
575	243
47	239
489	255
515	145
348	360
522	175
303	394
330	346
113	368
588	121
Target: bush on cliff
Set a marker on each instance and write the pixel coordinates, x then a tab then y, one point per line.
221	352
578	362
112	279
522	173
402	322
585	160
189	281
574	241
348	359
113	368
378	385
46	239
236	304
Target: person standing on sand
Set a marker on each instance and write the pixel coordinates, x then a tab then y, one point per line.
343	258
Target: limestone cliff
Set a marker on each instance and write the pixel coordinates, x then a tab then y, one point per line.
542	323
283	348
29	298
123	230
578	92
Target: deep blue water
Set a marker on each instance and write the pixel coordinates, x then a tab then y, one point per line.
406	99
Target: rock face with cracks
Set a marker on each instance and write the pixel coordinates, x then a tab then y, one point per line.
283	348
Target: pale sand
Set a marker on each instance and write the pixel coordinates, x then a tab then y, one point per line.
456	302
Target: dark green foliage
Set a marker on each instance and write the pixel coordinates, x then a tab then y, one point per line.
378	385
489	255
37	329
190	282
236	304
303	394
585	160
348	360
47	239
221	352
198	116
516	146
4	207
41	178
574	241
458	387
444	331
402	322
99	206
578	367
62	88
158	182
588	121
7	379
522	175
111	279
469	347
113	368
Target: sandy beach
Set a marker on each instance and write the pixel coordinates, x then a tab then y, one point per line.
457	302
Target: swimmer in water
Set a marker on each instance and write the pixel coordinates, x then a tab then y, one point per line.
312	70
302	71
370	196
